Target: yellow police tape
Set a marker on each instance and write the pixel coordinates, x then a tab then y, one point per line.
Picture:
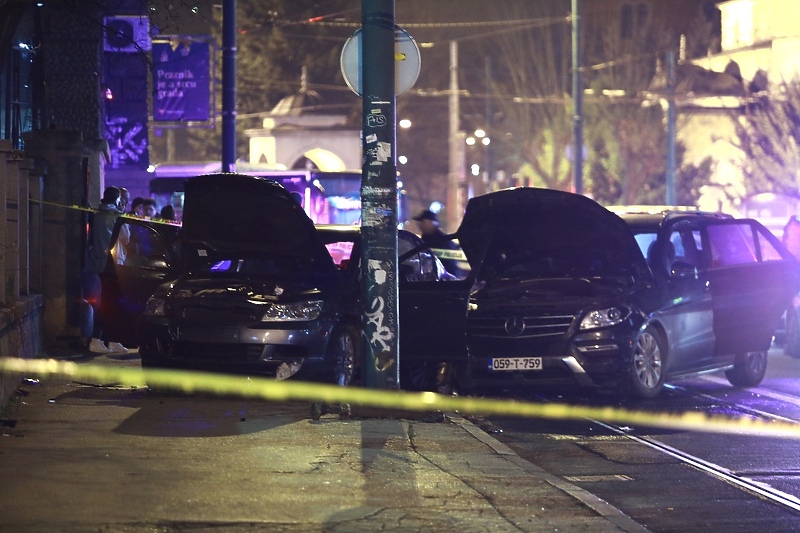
75	207
270	389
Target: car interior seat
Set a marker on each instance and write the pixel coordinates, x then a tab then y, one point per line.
657	263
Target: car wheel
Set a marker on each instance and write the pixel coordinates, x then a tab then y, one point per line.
427	376
748	369
417	376
647	369
792	347
344	352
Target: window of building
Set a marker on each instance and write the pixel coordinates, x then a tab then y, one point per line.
17	111
737	24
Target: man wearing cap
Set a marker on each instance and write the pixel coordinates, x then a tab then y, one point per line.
437	239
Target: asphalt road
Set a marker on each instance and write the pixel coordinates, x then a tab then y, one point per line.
205	463
680	481
97	457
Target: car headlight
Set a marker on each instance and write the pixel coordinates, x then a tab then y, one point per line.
157	303
602	318
292	312
155	306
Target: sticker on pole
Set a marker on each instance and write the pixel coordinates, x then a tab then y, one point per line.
406	61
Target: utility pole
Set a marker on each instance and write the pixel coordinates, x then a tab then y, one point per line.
489	125
228	85
670	185
379	196
577	99
456	165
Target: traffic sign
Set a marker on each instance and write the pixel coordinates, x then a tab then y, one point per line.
406	60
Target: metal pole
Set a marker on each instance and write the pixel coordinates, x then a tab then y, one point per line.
670	128
379	197
489	125
577	99
228	85
453	183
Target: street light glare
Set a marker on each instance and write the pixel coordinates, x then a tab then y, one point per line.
405	123
485	141
470	140
480	133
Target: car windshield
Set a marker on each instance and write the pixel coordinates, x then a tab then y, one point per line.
546	255
286	267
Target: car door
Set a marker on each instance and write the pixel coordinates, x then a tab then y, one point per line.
687	313
143	256
752	280
433	309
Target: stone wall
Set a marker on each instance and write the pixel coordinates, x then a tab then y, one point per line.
20	257
20	336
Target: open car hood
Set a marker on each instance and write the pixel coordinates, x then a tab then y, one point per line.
548	233
233	215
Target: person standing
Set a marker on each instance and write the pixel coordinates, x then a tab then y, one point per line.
149	208
137	207
440	244
791	236
124	239
96	258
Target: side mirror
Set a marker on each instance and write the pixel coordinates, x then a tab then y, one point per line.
682	270
155	261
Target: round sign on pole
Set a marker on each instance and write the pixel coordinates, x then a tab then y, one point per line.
406	61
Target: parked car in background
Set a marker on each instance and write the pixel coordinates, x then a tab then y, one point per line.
561	295
790	333
250	286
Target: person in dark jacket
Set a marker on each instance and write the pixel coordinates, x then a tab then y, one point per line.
96	257
440	245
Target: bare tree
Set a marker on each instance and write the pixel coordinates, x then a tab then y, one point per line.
769	137
624	136
532	84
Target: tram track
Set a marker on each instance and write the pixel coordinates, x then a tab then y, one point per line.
747	480
740	479
743	482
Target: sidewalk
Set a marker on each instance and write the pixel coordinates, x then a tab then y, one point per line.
94	457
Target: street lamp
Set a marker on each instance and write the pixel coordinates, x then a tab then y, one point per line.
480	136
404	124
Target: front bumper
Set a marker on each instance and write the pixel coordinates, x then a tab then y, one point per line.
598	359
253	349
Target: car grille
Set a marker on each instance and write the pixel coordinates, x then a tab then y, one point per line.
520	326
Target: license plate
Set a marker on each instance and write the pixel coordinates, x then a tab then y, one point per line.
515	363
209	335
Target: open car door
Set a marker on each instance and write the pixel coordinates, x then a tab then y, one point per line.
752	278
433	317
143	256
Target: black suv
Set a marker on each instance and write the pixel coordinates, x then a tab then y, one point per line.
562	294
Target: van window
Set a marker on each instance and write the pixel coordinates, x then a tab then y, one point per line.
731	244
768	251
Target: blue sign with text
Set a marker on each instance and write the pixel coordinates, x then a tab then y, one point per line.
181	81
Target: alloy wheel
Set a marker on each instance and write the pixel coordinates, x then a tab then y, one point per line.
647	361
